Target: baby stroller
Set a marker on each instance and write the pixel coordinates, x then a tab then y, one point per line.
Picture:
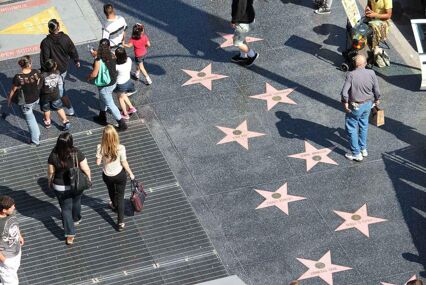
357	42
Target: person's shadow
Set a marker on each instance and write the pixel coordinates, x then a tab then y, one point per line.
37	209
291	128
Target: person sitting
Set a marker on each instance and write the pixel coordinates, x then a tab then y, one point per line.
378	12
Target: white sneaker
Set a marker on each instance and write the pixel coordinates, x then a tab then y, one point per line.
148	80
364	152
350	156
69	111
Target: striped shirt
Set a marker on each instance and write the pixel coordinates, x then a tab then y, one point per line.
113	30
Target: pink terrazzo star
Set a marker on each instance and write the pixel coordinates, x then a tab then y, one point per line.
239	135
323	268
229	40
412	278
314	156
359	220
274	96
204	77
279	198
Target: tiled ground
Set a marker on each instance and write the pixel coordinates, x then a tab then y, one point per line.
299	50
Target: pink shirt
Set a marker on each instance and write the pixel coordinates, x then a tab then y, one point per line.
140	45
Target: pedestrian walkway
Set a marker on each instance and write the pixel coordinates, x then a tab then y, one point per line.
258	152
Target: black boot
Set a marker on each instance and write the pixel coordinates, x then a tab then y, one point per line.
122	125
101	119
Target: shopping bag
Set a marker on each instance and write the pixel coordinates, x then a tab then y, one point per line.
138	195
377	116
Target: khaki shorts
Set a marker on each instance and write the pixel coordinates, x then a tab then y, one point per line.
240	33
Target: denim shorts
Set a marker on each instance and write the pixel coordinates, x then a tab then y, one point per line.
125	87
47	106
240	33
139	59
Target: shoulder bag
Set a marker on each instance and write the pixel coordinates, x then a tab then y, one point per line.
138	195
103	77
78	179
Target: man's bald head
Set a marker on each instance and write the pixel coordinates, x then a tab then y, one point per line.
360	61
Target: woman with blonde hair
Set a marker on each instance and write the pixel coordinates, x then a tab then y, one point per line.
112	155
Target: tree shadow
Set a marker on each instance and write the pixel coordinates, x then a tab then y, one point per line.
291	128
407	170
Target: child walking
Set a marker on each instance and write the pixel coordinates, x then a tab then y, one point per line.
49	94
140	42
125	86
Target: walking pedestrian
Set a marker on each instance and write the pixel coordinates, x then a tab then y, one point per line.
51	79
63	157
360	89
140	43
11	242
27	82
324	7
125	86
104	59
242	17
112	155
59	47
114	28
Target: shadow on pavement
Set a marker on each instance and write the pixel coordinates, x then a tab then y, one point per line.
407	170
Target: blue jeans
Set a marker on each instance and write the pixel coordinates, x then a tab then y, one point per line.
61	87
107	102
356	123
33	128
70	209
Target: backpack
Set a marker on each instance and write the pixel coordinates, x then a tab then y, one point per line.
103	77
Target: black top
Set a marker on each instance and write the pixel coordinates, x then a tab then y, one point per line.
50	86
60	48
62	176
29	84
242	11
111	69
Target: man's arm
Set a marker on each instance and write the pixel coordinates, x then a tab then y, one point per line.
345	92
376	89
2	258
72	52
44	53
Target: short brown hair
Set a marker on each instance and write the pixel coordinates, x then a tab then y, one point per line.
294	282
415	282
108	9
6	202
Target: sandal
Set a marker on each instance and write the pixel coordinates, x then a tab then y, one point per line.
69	240
47	123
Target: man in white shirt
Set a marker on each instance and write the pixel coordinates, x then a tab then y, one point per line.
114	28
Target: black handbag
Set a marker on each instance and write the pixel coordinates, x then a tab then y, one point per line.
138	195
19	97
78	179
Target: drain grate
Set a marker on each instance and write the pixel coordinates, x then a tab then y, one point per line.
165	244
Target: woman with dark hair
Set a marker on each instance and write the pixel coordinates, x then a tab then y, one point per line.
104	57
63	157
125	86
27	82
